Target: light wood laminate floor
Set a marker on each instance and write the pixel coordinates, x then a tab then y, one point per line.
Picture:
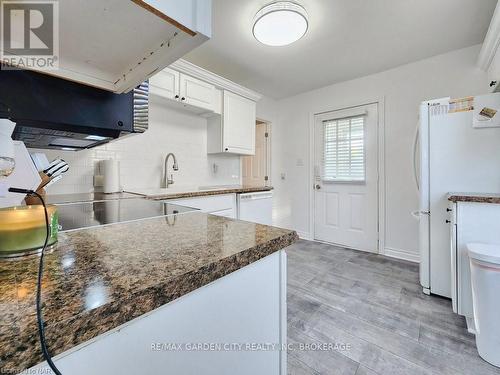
368	315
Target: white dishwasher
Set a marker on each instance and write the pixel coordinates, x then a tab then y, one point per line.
256	207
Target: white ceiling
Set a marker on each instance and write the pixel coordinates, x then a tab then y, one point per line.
346	39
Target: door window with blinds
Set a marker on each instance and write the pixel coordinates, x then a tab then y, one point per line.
344	150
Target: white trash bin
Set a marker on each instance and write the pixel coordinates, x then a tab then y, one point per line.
485	277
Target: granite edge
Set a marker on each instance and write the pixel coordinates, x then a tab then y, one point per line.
474	198
78	329
192	194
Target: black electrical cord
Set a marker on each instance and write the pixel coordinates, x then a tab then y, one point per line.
41	328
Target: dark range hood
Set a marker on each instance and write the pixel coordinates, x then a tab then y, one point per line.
54	113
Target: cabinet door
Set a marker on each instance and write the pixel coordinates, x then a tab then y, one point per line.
238	124
476	222
196	92
165	84
494	72
452	209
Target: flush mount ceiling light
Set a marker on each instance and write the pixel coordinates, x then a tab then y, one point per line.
280	23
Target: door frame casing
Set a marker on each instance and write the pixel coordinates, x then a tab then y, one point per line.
268	151
380	101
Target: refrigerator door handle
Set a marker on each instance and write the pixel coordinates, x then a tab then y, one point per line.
415	172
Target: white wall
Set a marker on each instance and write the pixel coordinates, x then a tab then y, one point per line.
141	156
452	74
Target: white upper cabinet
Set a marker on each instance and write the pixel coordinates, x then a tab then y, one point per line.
196	92
234	130
230	109
165	84
182	90
494	72
489	57
238	124
117	44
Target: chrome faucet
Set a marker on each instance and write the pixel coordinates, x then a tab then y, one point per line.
175	167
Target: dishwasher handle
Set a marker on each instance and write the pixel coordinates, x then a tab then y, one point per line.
255	196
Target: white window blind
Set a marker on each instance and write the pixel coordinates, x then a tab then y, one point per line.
344	149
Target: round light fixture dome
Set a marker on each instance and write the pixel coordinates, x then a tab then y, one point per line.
280	23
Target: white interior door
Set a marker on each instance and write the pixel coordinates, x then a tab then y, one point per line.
254	171
346	178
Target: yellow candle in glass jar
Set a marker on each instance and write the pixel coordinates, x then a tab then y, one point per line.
22	229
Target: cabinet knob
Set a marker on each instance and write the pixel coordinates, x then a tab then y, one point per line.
177	97
317	187
226	149
449	210
183	98
448	221
493	83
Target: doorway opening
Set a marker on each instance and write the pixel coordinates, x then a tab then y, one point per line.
256	168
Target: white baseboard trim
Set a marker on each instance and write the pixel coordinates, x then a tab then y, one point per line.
388	251
401	254
304	235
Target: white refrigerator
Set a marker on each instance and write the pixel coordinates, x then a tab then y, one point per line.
454	152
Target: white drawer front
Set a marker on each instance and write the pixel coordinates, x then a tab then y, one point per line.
209	204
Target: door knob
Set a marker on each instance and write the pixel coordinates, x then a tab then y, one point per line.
318	186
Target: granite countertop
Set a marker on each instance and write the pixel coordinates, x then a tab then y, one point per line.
475	197
178	193
100	278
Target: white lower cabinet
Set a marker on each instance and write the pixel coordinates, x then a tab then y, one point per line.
471	223
246	307
221	205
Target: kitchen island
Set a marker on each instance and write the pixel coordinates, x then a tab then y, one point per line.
140	297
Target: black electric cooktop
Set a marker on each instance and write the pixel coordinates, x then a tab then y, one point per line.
90	214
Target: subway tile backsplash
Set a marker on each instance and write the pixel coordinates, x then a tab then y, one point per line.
142	156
